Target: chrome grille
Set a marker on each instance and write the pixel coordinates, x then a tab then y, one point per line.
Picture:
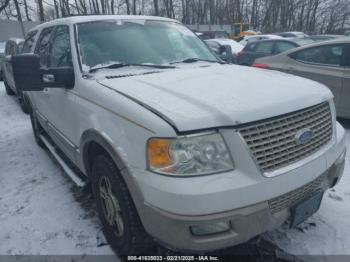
290	199
273	141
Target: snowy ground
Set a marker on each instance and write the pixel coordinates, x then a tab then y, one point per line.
41	212
328	231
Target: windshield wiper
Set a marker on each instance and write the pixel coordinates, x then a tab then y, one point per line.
120	65
194	60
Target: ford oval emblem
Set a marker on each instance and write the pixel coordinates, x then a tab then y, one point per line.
304	136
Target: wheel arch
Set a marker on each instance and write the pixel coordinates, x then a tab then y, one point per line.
94	142
28	102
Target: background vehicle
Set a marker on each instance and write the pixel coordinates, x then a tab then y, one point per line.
2	51
326	62
292	34
217	46
257	49
13	46
213	35
241	30
252	38
320	38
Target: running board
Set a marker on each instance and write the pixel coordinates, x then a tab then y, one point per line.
76	179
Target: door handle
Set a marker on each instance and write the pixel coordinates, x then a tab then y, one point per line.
48	78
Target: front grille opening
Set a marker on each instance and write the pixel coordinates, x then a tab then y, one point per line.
273	141
290	199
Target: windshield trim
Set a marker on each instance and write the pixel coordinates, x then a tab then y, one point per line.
76	39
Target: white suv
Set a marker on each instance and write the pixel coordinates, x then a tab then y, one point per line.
178	147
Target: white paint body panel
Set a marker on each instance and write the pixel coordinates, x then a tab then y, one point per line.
220	95
194	97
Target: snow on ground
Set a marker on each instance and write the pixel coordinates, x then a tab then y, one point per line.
42	212
328	231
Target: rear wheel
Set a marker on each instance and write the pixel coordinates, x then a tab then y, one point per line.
8	89
37	129
121	223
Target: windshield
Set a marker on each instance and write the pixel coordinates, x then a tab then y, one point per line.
138	42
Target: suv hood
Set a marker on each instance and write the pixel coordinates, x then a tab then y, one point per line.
218	95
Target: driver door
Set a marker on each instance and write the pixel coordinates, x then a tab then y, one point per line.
61	102
56	105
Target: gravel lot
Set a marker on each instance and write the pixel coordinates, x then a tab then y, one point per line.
42	212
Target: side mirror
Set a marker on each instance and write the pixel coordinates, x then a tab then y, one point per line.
226	53
29	76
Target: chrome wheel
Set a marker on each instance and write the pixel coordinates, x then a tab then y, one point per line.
110	206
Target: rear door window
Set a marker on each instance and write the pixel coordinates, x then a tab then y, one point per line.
250	47
264	47
328	55
43	44
282	46
27	46
60	51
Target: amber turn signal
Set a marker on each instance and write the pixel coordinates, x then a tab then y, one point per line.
158	152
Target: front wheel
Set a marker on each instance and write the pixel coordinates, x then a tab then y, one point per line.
8	89
121	223
37	129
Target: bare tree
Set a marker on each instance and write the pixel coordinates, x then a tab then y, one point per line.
19	17
127	2
4	5
156	7
41	10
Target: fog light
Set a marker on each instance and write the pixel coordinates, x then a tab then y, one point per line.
209	229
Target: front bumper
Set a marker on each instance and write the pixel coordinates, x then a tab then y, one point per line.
174	231
169	207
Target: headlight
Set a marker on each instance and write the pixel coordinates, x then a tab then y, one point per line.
189	155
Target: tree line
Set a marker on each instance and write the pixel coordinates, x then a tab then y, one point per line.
311	16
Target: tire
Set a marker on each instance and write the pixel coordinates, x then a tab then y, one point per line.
37	129
23	104
121	224
8	89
